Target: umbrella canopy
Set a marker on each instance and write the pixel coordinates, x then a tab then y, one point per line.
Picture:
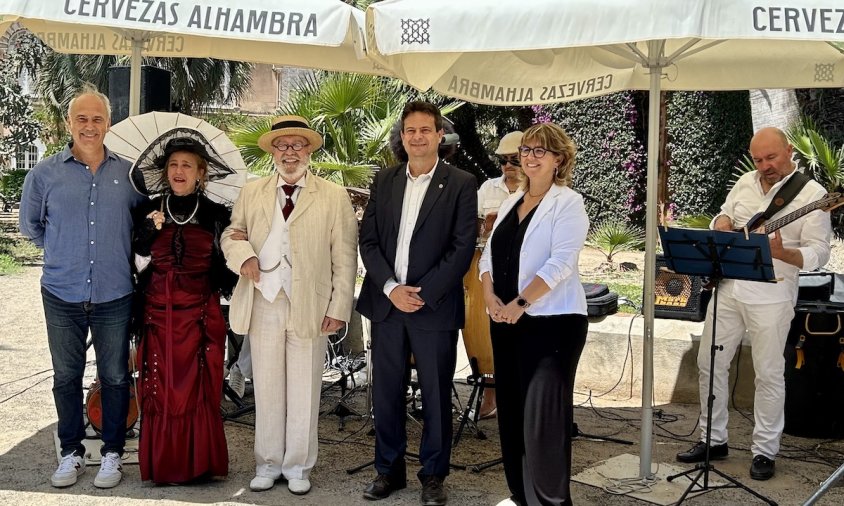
132	137
324	34
523	53
545	51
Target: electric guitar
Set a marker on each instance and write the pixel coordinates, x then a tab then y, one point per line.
829	202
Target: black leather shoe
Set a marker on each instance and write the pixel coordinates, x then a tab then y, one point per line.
382	486
433	493
762	468
697	453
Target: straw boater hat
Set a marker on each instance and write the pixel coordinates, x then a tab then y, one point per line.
148	174
510	143
290	125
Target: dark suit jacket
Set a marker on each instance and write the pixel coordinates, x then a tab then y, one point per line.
441	246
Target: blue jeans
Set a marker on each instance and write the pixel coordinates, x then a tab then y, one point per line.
67	330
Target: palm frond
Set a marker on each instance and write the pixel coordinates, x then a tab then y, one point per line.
245	136
695	221
615	235
741	168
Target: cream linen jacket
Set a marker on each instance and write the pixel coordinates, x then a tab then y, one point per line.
323	248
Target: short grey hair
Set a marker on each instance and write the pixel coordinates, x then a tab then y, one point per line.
90	89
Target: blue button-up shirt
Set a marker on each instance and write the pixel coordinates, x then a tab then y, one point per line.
83	221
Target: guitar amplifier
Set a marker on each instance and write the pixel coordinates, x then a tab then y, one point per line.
678	296
814	359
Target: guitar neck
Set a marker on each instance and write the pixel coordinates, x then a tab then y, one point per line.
794	215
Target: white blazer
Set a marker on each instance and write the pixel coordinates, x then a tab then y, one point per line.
551	250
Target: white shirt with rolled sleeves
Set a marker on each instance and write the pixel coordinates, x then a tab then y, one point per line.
550	250
491	194
811	234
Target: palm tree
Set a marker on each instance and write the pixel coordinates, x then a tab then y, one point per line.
825	162
196	83
353	112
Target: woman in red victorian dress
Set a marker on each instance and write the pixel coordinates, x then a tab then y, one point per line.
183	331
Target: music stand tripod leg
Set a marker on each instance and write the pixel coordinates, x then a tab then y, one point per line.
706	467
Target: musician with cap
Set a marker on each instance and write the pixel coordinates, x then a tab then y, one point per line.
293	240
494	191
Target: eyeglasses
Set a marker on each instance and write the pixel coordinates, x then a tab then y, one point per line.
296	146
512	160
538	152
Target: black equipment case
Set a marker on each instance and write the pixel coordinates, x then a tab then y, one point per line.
600	301
814	359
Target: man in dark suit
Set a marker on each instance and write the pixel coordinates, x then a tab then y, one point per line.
416	241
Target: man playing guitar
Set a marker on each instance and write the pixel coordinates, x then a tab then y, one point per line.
764	310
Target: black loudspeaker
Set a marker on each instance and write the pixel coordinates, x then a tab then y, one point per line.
677	296
155	91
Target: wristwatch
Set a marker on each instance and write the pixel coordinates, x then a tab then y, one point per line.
522	302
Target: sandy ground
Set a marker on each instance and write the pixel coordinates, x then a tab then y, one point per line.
27	455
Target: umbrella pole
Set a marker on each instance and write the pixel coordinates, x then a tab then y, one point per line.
135	77
646	444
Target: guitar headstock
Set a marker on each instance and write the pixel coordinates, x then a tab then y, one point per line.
831	201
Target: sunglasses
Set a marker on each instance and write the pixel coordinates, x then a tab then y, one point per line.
512	160
538	152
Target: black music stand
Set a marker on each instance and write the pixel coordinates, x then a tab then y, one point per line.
717	255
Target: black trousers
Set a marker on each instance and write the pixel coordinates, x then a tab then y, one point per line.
535	365
435	354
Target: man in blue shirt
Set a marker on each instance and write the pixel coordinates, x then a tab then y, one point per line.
76	205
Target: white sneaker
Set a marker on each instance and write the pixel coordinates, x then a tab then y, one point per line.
111	471
299	487
236	381
261	483
70	468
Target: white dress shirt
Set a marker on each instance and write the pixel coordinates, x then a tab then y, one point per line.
276	249
810	234
414	193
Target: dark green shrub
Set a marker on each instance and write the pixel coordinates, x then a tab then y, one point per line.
11	184
611	157
708	132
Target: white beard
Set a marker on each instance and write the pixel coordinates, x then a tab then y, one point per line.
294	173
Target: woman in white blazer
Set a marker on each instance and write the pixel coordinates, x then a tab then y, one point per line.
537	306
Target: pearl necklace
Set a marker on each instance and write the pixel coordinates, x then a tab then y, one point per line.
177	222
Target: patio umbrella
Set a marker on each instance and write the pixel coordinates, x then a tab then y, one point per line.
521	53
323	34
131	137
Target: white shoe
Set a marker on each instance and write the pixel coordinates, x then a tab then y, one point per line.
299	487
261	483
111	471
236	381
70	468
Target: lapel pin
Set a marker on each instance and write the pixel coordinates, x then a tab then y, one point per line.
441	185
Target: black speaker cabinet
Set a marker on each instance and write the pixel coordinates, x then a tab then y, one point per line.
155	91
677	296
814	372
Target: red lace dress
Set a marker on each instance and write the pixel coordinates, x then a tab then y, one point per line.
182	350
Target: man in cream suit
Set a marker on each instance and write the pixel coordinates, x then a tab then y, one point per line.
293	239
